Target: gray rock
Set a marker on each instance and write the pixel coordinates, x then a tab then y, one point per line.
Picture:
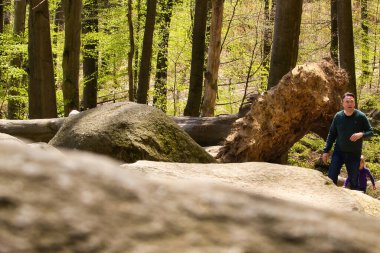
6	138
296	184
129	132
85	203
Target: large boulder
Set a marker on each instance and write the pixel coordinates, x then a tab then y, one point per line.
129	132
305	99
52	202
296	184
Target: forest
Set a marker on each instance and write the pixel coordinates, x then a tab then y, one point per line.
108	56
186	57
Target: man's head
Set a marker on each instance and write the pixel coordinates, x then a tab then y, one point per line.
348	103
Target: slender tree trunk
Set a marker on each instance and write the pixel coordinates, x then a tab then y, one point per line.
42	97
19	17
131	91
211	76
365	44
346	42
146	55
1	16
137	47
286	39
197	59
334	32
59	22
268	33
16	105
90	54
70	62
160	86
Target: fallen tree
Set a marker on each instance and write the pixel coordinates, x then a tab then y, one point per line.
304	100
207	131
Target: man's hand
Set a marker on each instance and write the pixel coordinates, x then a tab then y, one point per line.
374	187
325	157
356	136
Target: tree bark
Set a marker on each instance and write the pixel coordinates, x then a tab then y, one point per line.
267	40
365	43
90	54
71	52
304	98
1	16
346	43
206	131
36	130
146	54
16	105
197	59
131	52
137	49
286	39
59	24
211	76
334	32
160	85
42	97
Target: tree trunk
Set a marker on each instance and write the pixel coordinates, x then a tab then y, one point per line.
286	39
365	43
16	105
59	22
90	54
70	62
197	59
304	98
1	16
206	131
131	84
160	86
267	40
334	32
137	49
146	54
346	42
36	130
42	97
211	76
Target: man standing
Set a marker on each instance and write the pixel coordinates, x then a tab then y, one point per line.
347	130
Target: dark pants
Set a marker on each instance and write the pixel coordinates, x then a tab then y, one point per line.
352	162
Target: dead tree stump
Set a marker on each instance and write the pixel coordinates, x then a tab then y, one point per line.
306	97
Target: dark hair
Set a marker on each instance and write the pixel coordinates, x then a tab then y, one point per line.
348	94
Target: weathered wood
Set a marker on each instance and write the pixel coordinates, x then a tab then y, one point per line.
207	131
38	130
307	96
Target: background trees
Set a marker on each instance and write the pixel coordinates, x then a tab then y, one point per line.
42	97
178	49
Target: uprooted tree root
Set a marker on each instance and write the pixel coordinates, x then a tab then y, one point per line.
306	99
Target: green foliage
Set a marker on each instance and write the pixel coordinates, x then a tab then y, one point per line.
305	152
242	38
371	153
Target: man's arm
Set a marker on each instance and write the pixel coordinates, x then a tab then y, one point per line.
368	129
331	137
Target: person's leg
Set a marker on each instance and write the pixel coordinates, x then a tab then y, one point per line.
335	166
352	163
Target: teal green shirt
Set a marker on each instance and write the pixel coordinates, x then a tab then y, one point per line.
343	127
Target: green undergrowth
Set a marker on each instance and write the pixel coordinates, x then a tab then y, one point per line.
308	151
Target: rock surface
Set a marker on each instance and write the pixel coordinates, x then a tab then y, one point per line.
129	132
300	185
304	100
52	202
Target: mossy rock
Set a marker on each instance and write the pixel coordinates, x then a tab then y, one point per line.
130	132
